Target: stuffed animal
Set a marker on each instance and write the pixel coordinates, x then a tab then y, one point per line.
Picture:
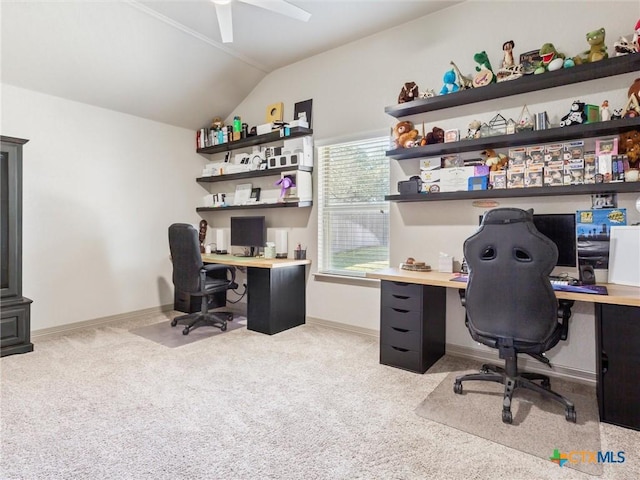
485	74
551	59
409	92
495	161
629	145
436	135
632	108
404	134
450	84
598	50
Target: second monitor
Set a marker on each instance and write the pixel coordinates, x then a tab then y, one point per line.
249	233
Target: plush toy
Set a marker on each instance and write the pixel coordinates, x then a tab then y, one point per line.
632	108
474	129
629	145
464	82
436	135
575	116
450	84
495	161
404	134
551	59
598	50
485	74
409	92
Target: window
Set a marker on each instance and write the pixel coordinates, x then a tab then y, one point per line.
353	216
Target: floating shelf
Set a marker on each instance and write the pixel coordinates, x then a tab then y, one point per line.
622	187
252	174
256	140
253	207
559	134
527	83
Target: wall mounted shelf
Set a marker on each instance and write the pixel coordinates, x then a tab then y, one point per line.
252	207
560	134
252	174
274	136
527	83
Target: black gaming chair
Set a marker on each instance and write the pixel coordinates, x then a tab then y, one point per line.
192	276
510	304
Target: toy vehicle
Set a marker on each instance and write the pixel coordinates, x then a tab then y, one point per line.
575	116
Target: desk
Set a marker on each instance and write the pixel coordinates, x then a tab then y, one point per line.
415	340
276	296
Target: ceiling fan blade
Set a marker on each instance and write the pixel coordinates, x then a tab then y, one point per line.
223	12
281	7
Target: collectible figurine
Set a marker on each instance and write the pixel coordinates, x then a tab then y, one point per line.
485	74
507	60
551	59
575	116
409	92
605	113
509	70
464	82
474	129
598	50
449	80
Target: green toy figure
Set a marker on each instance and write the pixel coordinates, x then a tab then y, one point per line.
598	50
551	59
485	73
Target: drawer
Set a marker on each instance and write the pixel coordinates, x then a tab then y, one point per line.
407	299
400	358
400	337
401	288
406	319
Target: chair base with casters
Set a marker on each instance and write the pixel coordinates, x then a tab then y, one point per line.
512	379
203	319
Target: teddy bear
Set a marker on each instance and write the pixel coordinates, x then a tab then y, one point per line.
632	108
404	134
409	92
629	145
436	135
495	161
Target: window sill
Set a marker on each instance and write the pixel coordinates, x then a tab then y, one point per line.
346	280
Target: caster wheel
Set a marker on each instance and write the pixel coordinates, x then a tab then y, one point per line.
230	317
507	417
484	369
185	331
546	383
570	415
174	322
457	388
224	327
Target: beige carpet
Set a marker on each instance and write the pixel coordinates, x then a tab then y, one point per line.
172	337
539	426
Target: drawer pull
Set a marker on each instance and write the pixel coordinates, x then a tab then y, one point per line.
403	330
401	284
401	297
400	349
399	310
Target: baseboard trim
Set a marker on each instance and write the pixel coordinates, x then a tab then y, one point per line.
580	376
98	322
343	326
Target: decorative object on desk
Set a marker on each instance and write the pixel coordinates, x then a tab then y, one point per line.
415	266
202	234
485	74
408	93
625	255
525	121
404	134
497	125
576	115
597	48
274	112
300	253
270	250
243	194
302	110
463	81
450	85
282	244
445	263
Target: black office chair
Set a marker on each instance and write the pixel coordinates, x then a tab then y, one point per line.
510	304
192	276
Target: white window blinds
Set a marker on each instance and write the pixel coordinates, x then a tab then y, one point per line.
353	217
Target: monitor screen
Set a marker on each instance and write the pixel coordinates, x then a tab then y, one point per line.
248	232
560	228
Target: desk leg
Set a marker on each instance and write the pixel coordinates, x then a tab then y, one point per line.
276	298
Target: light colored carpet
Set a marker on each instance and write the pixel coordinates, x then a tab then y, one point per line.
308	403
172	337
539	426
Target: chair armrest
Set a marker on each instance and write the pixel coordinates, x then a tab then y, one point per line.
564	313
212	267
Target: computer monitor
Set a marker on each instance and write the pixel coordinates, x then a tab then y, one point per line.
249	232
560	228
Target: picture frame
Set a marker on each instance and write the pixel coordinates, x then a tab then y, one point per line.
607	146
255	194
452	135
303	110
242	194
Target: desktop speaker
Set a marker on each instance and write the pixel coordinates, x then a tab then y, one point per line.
282	246
220	240
587	275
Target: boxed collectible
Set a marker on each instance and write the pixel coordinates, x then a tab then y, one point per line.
589	168
574	172
554	174
515	177
533	176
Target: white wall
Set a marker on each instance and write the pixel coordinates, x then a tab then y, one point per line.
351	85
100	190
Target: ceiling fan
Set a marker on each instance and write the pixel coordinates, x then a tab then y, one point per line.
223	11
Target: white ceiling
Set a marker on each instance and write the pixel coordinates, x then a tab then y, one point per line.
164	60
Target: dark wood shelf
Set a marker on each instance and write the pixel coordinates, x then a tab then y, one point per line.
622	187
527	83
252	174
559	134
252	207
256	140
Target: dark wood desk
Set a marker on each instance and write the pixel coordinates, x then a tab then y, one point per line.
415	339
276	293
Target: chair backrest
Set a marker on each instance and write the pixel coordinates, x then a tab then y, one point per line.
508	293
186	257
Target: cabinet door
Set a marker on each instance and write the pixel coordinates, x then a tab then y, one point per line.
619	364
11	220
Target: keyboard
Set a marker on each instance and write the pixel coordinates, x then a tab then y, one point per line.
558	284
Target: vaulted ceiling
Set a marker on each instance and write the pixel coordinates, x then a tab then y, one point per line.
165	60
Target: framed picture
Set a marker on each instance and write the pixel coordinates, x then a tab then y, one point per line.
303	109
607	146
255	194
451	136
243	193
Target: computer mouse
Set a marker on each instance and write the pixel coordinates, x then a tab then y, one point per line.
574	282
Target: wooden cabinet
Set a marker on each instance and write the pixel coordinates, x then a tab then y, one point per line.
412	325
244	143
531	83
15	310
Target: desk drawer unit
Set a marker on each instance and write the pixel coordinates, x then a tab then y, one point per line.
412	325
618	354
